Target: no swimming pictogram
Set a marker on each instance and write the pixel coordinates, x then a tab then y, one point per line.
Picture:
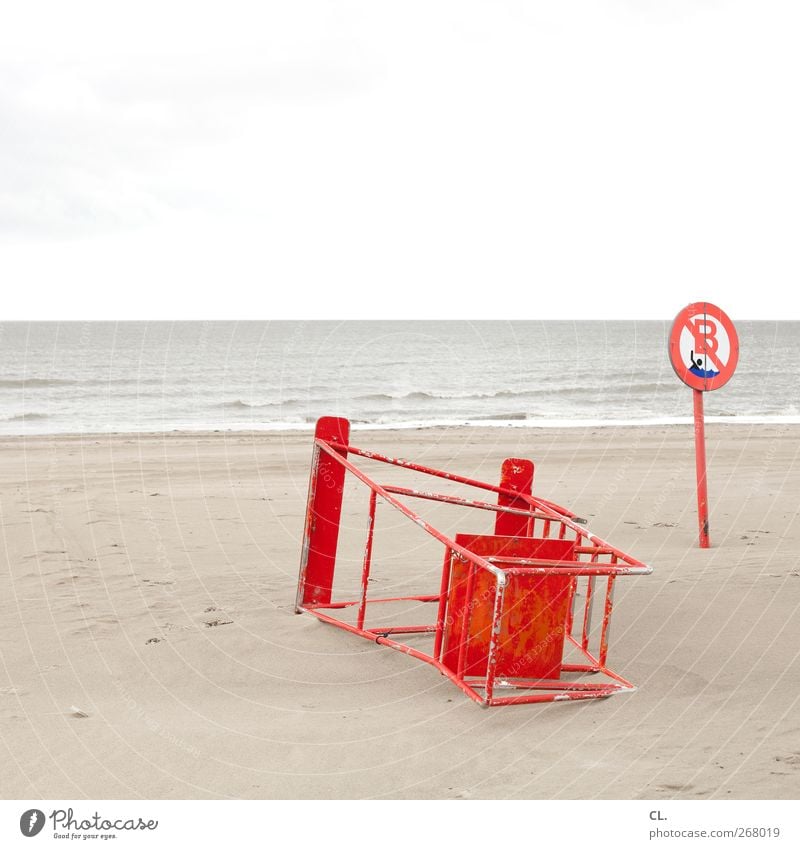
703	346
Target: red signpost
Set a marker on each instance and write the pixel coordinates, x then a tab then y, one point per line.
704	351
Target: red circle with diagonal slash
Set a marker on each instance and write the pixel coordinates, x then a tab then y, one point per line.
703	346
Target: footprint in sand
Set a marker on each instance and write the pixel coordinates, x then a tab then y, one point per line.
678	789
68	580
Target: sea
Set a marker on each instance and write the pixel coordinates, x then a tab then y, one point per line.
101	377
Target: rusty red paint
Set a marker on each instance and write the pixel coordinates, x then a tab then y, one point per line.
321	534
504	610
607	610
515	475
362	607
534	610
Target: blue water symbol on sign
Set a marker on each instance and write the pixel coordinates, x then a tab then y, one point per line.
697	367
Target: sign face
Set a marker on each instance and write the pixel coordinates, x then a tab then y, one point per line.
703	346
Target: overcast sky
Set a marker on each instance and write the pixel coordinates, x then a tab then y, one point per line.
607	159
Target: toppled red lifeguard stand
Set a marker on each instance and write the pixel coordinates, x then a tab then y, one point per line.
506	614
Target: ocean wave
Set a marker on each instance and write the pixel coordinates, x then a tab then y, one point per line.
567	388
164	382
25	417
34	382
527	423
501	417
383	396
418	395
257	405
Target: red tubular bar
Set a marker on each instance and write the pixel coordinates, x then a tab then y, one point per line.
338	605
573	569
515	521
437	645
312	489
574	686
362	608
560	697
607	608
491	662
462	502
573	584
589	567
438	473
582	667
700	466
587	613
462	651
592	549
556	511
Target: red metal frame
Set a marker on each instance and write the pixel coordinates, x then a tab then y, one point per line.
520	516
700	468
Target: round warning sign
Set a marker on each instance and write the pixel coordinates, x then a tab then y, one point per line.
703	346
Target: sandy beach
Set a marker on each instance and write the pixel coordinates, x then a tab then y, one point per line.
148	581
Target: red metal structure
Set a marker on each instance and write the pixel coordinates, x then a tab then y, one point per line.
505	611
704	351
